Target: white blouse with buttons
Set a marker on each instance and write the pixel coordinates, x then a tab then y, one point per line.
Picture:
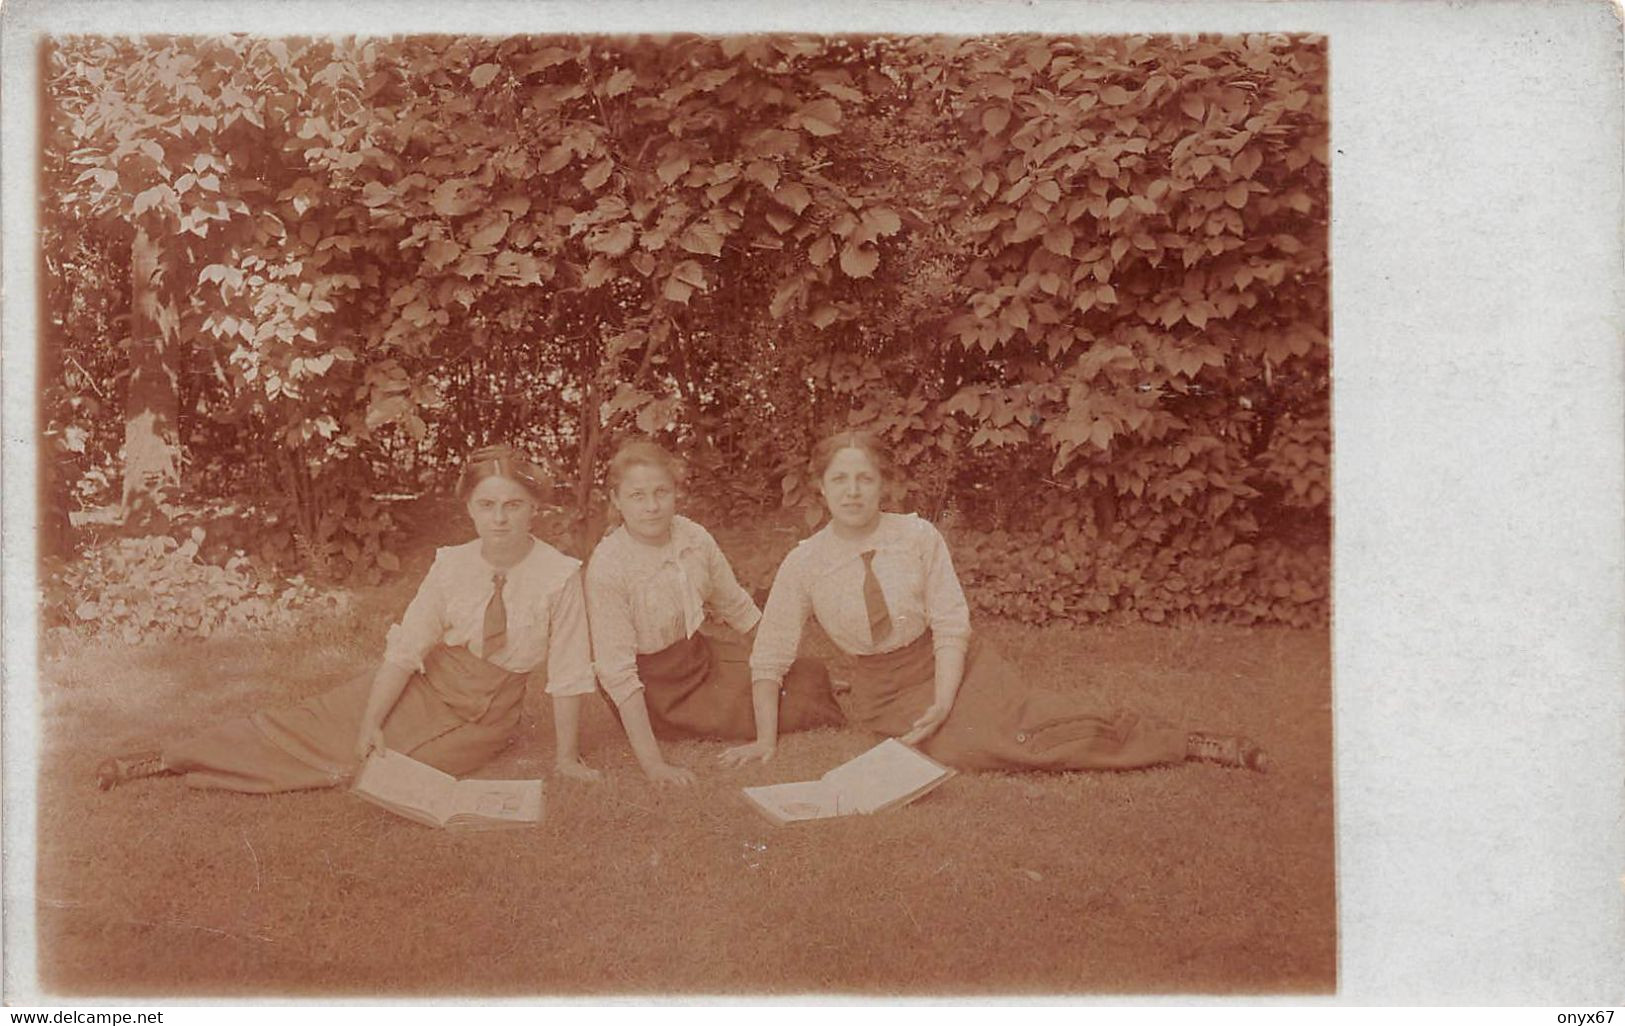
823	577
645	598
547	619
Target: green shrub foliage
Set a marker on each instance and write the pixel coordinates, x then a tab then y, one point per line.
1080	284
152	588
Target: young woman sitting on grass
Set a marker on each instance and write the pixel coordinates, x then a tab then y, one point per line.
648	585
453	677
883	587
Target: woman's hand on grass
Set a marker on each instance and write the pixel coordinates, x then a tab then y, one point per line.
575	769
756	751
927	724
666	773
370	740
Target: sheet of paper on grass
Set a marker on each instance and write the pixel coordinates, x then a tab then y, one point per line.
886	776
424	794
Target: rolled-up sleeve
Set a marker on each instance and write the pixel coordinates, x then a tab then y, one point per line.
945	607
778	633
730	600
614	635
423	624
569	650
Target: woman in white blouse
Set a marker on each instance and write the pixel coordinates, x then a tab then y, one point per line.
649	583
882	585
452	681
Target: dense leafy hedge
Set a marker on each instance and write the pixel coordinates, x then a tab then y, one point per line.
1080	284
1042	579
156	588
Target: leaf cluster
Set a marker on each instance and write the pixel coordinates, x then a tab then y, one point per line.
138	590
1073	281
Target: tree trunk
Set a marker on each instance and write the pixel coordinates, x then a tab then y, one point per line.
151	445
589	520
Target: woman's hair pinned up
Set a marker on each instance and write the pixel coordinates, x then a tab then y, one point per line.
642	452
502	461
867	442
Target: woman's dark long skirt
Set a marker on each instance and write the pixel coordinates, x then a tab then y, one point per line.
999	721
701	687
456	715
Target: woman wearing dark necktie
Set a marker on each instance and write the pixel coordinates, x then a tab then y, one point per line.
451	684
882	586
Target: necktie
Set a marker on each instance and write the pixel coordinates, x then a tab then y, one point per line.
874	600
496	617
693	606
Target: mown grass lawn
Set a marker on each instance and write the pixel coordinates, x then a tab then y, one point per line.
1179	880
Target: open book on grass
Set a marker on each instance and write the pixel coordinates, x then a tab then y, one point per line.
886	776
419	792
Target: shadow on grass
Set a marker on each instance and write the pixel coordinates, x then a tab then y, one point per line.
1178	880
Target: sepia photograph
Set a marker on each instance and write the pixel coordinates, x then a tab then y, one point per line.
705	503
640	421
